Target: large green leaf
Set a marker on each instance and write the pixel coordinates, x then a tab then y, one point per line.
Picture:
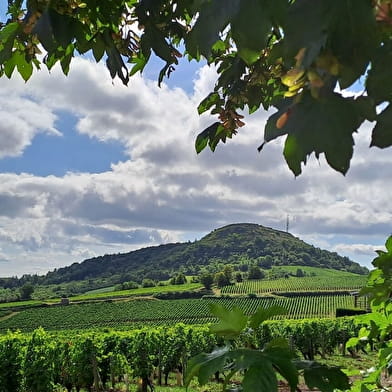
205	365
378	82
382	132
63	27
231	322
353	37
24	67
306	26
260	377
250	29
320	126
213	18
7	37
281	356
325	378
212	135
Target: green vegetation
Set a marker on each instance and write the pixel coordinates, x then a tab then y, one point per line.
20	304
292	284
100	359
152	312
139	291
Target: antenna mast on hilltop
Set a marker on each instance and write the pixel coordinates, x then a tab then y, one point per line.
287	223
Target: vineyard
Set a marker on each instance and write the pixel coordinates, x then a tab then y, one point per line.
292	284
94	361
157	312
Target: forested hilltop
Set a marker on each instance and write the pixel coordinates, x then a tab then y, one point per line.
240	245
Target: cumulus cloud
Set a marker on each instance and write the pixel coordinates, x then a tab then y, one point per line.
360	249
21	119
165	192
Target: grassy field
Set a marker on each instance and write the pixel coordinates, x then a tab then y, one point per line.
17	304
314	271
138	291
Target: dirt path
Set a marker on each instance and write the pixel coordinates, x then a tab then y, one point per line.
8	316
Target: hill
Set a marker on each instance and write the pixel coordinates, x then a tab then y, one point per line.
238	244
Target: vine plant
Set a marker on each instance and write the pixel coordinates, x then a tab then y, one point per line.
260	366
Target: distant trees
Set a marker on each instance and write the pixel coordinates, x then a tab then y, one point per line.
148	283
299	273
255	272
238	277
178	279
224	277
26	291
207	280
221	279
126	286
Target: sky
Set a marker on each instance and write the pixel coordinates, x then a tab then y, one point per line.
90	167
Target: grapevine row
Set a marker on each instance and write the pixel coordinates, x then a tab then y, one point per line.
308	283
40	362
155	312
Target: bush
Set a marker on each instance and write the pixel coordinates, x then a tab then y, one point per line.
148	283
341	312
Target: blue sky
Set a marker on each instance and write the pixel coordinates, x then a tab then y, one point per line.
90	167
56	155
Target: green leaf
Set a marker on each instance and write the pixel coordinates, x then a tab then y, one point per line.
322	126
353	38
352	343
25	68
262	315
140	62
98	47
213	18
388	244
206	104
250	29
66	60
10	65
378	82
244	358
323	377
204	365
231	322
114	61
281	356
306	26
62	27
8	32
7	38
44	31
382	132
261	377
207	136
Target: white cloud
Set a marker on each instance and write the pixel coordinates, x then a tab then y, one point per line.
165	192
21	120
360	249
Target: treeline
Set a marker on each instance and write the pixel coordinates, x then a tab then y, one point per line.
39	362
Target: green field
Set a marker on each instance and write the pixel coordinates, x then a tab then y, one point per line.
138	291
326	280
159	312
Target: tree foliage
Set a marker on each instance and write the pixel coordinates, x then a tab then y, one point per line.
294	56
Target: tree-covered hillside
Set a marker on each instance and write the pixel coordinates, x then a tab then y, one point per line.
240	245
